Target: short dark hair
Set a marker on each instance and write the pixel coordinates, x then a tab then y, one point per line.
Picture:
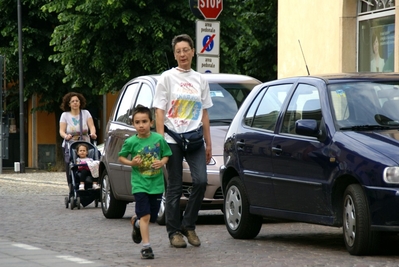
182	38
141	109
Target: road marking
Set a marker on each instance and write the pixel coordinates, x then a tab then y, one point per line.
74	259
27	247
64	257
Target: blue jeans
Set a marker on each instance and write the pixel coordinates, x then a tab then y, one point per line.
197	163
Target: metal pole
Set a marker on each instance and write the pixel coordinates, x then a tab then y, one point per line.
1	114
21	95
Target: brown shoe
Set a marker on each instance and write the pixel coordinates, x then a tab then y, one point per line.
192	237
177	240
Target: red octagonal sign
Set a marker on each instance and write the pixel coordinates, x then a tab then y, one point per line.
211	9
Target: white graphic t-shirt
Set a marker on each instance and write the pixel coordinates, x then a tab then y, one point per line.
183	96
73	125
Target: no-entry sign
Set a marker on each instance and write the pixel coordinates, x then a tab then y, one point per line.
211	9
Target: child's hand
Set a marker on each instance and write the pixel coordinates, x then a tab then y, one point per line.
136	160
157	164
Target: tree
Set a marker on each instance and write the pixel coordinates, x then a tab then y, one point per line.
41	77
102	44
96	46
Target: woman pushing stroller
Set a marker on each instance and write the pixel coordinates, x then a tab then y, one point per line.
75	123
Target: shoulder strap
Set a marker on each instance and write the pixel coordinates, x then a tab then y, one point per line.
80	124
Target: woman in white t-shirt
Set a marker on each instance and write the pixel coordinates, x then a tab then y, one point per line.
70	121
182	97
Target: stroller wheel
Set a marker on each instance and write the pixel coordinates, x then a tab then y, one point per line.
96	203
71	202
66	202
78	202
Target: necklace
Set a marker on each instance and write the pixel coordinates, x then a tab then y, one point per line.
183	70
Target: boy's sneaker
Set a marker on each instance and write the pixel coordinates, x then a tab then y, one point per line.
177	240
146	253
136	234
192	237
96	187
81	187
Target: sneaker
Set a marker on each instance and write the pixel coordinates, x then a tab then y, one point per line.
136	235
177	240
146	253
95	187
81	187
192	237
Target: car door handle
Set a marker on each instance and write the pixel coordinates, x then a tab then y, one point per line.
240	145
277	150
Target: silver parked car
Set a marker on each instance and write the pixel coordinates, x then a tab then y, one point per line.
228	92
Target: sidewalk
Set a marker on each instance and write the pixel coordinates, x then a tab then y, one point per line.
33	181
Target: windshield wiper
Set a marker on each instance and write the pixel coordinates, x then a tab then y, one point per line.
368	127
221	120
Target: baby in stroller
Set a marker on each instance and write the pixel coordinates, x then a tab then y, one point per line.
83	162
83	174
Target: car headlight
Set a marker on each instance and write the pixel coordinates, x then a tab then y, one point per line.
391	175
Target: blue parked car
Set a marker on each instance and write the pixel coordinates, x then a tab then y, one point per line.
316	149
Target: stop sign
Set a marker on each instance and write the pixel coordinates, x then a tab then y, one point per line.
211	9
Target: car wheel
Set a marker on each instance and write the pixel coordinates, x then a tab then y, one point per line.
239	222
359	239
161	219
111	207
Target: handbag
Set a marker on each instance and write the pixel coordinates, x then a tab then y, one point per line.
67	146
189	141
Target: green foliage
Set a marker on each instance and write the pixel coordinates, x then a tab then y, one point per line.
41	76
95	47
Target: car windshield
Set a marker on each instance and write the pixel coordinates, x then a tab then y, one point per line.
365	105
227	98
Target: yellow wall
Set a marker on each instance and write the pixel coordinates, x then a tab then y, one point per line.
327	33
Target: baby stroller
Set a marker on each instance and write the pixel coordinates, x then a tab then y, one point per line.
78	197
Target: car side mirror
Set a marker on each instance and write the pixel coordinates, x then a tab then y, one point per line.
307	127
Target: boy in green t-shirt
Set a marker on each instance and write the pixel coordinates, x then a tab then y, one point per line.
149	152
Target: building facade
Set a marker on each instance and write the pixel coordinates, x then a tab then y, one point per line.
331	36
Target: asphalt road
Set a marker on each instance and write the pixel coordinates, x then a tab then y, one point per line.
33	215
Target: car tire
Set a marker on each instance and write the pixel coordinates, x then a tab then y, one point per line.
358	238
161	219
111	207
239	222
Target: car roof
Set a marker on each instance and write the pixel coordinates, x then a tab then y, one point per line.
347	77
214	78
